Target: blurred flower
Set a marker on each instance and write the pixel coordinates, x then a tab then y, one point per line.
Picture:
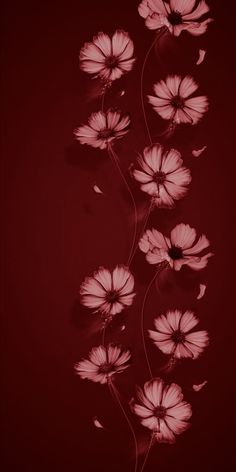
173	336
103	128
103	363
171	100
108	292
162	176
108	58
161	408
177	15
181	249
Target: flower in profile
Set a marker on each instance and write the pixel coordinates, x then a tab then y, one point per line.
173	334
103	362
103	128
172	100
182	248
108	292
108	57
161	409
162	175
177	15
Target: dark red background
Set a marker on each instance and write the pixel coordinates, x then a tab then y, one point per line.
57	230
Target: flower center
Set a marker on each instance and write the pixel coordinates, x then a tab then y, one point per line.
177	102
112	296
105	368
105	133
178	336
111	62
175	253
160	412
175	18
159	177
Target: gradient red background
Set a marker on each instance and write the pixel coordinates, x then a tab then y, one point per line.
57	230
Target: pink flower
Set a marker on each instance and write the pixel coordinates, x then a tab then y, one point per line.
103	128
181	249
172	102
103	363
108	58
173	336
177	15
108	292
162	176
161	408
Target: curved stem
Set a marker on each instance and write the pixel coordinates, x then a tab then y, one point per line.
142	230
147	453
114	392
163	30
115	160
103	99
142	323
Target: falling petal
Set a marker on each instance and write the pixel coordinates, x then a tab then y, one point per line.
97	423
199	387
97	189
201	58
202	289
122	93
198	152
122	327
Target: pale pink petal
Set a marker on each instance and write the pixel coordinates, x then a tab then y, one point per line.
196	29
182	6
127	300
167	347
141	411
92	67
202	53
199	387
183	236
97	189
150	188
155	21
183	351
103	42
162	325
157	239
181	411
187	87
200	245
172	395
103	276
199	263
153	156
97	121
153	391
199	104
176	425
144	9
174	84
173	319
198	152
201	9
92	301
98	355
176	191
161	90
199	338
188	321
97	423
92	287
158	6
156	336
166	435
202	290
92	53
151	423
171	161
141	177
121	42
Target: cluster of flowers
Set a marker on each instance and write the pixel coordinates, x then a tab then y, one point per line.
162	175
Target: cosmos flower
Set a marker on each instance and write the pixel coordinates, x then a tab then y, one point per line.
173	334
108	292
103	128
176	15
162	176
103	362
161	408
108	58
180	249
172	102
